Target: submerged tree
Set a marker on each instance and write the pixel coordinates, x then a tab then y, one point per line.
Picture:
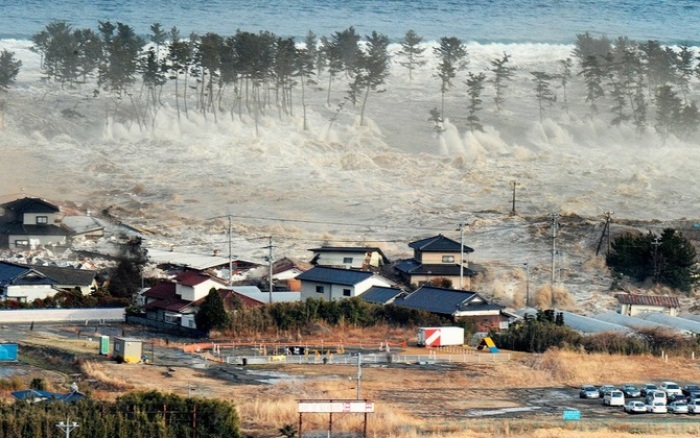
452	54
9	69
565	73
373	67
543	92
502	72
412	52
475	85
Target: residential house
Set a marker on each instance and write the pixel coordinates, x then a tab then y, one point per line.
28	222
168	302
350	257
436	258
252	296
27	283
333	284
632	305
382	295
458	305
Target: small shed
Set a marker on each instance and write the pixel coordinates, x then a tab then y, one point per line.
128	350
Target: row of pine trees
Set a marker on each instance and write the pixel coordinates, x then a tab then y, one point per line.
646	84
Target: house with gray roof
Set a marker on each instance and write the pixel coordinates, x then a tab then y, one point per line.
382	295
29	222
458	305
633	304
349	257
332	284
436	258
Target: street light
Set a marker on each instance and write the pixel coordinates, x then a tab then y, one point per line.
68	426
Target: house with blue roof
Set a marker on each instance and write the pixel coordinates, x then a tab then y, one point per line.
26	283
36	396
332	284
458	305
434	259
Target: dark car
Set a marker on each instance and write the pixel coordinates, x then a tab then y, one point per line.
631	391
647	388
691	391
605	388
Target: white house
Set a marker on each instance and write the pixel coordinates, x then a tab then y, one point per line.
334	284
349	257
193	285
631	304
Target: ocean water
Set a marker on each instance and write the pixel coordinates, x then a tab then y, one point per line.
482	21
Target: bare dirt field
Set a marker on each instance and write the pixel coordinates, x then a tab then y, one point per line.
524	396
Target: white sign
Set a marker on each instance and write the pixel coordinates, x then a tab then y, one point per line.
332	407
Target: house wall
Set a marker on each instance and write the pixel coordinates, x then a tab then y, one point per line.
335	292
35	240
336	259
635	309
484	323
201	290
28	293
84	289
30	218
430	258
419	280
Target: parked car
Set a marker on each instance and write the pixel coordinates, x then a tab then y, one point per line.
678	407
631	391
691	391
605	388
614	398
694	406
635	407
671	389
588	391
648	387
657	407
653	396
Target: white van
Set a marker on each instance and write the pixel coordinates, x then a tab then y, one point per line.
614	398
655	396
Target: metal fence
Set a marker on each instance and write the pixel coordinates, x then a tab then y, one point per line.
92	315
346	359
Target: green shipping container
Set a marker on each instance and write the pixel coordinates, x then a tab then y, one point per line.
104	345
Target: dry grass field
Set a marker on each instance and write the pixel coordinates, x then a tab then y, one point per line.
411	400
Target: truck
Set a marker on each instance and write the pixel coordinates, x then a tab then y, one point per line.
440	336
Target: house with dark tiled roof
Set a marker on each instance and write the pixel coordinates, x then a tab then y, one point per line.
36	396
28	222
27	283
349	257
632	304
458	305
382	295
436	258
332	284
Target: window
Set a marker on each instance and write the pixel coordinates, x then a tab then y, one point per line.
42	219
347	292
20	243
319	289
347	260
448	259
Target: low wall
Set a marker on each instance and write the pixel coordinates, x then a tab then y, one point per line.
92	315
166	327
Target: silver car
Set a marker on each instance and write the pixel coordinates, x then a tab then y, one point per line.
635	407
589	391
678	407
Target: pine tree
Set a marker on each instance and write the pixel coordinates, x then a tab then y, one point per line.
452	55
9	69
502	72
543	93
565	67
475	85
212	313
412	52
373	67
593	76
668	110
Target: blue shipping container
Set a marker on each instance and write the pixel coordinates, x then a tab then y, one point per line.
8	353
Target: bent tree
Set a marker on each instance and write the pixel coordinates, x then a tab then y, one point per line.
373	67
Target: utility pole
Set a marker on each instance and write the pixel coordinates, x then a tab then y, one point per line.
656	242
555	224
269	260
359	375
67	427
527	285
461	254
230	253
608	219
513	184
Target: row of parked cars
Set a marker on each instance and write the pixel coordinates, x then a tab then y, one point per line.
666	397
